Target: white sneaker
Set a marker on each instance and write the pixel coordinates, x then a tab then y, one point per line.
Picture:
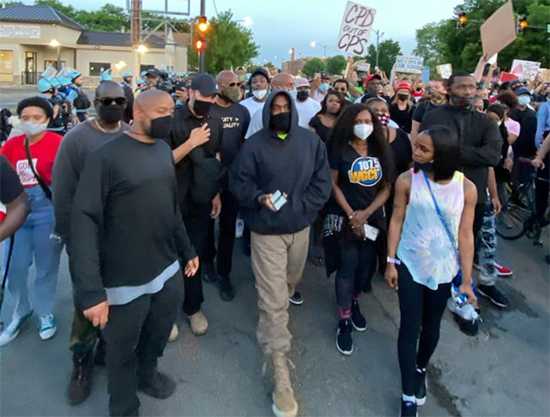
48	327
13	329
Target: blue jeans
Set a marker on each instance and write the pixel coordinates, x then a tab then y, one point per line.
33	244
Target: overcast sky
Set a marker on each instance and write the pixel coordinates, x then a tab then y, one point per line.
279	25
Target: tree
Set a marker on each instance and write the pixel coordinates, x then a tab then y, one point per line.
313	66
336	65
228	45
443	42
389	51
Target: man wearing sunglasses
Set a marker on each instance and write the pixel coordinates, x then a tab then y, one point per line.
79	142
235	119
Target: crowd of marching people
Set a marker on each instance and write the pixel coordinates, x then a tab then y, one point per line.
359	175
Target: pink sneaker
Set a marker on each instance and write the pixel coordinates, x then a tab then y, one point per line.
503	271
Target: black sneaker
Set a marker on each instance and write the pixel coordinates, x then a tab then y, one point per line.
420	387
159	386
227	293
494	295
408	409
296	299
344	342
80	384
357	319
209	272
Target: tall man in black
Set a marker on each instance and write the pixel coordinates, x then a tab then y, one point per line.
78	144
127	242
235	119
195	140
480	140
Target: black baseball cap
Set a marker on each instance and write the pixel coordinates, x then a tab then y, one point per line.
205	84
260	71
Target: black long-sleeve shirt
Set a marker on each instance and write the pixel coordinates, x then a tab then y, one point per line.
479	138
126	227
525	145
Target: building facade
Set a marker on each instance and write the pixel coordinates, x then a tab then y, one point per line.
35	37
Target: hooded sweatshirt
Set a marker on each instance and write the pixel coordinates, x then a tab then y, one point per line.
297	166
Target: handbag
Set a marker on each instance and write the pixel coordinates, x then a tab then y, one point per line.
41	182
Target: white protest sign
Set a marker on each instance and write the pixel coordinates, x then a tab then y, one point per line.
363	67
354	29
525	70
409	64
445	70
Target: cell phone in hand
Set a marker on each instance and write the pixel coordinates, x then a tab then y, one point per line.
371	233
278	200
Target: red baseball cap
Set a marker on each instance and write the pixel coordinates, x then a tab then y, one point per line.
403	85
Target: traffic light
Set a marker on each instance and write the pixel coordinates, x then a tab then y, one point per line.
522	24
201	28
462	19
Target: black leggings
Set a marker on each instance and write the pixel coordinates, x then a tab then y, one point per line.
421	308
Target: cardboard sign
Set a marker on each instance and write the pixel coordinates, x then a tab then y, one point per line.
525	70
498	31
545	75
445	70
355	28
409	64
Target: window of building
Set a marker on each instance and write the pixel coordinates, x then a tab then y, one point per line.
6	65
145	67
97	67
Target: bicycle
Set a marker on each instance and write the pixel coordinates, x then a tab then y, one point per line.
518	215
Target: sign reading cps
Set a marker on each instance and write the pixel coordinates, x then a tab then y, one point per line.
354	30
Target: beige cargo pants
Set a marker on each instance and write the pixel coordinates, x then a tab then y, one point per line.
278	263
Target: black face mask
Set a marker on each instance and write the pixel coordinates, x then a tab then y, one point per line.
201	108
302	95
160	127
427	167
110	114
403	97
280	122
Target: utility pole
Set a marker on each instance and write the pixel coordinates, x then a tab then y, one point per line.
135	27
379	35
202	63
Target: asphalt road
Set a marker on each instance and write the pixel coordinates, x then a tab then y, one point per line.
504	371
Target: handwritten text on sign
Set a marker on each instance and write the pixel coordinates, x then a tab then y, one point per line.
354	30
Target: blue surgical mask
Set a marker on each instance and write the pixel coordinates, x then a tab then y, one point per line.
524	100
323	88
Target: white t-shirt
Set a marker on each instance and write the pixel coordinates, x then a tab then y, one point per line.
306	110
252	105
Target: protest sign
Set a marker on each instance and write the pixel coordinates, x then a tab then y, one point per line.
525	70
445	70
426	75
499	30
355	28
545	75
507	77
409	64
363	67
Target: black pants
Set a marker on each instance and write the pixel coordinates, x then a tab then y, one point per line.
226	241
542	186
421	312
356	260
478	222
197	223
136	335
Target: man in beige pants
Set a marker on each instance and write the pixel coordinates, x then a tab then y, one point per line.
281	181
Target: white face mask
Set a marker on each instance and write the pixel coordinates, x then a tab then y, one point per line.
32	129
363	130
259	94
524	100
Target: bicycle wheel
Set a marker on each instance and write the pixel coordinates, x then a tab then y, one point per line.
510	223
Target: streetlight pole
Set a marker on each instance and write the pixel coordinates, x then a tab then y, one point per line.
202	62
379	35
58	60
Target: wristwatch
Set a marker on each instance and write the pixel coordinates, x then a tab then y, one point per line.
393	261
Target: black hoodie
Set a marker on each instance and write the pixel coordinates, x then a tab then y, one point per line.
297	166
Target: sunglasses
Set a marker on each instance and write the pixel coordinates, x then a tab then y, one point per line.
235	84
107	101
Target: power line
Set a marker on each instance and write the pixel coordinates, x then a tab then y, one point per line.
215	8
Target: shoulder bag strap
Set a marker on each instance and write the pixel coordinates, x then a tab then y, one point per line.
41	182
